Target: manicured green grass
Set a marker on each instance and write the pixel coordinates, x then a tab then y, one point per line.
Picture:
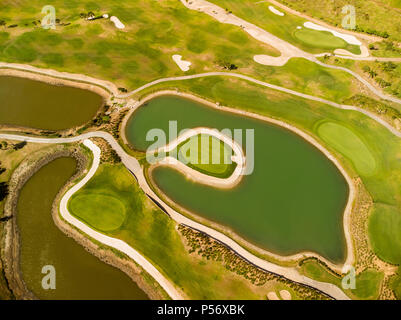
208	155
385	232
367	284
104	213
350	145
285	27
155	30
319	39
305	76
154	234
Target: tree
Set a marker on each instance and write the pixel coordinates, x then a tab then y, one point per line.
3	190
19	145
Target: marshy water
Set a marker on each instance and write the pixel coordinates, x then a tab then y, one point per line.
79	275
292	202
35	104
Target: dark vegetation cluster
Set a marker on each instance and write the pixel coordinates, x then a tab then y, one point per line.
211	249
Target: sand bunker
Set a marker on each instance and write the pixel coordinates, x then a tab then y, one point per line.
275	11
347	37
117	22
270	61
182	64
285	295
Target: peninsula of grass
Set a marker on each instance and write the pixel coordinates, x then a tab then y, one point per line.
207	155
150	231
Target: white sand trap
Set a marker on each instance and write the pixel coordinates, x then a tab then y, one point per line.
285	295
299	27
272	296
184	65
117	22
270	61
275	11
106	16
347	37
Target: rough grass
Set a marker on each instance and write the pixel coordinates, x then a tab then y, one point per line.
350	145
367	283
155	30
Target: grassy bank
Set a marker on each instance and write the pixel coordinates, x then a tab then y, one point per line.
153	234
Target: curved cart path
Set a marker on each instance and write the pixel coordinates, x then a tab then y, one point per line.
133	165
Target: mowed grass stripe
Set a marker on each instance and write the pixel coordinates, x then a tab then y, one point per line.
350	145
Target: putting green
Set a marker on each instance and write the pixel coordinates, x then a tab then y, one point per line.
350	145
207	154
384	232
319	39
324	40
102	212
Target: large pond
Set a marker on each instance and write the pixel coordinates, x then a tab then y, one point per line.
79	275
292	202
34	104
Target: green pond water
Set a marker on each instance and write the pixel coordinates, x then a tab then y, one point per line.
292	202
79	275
35	104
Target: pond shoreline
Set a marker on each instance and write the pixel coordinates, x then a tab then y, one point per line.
350	258
11	239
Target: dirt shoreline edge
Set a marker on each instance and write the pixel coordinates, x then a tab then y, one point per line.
10	242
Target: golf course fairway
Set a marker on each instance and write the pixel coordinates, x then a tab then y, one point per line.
350	145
